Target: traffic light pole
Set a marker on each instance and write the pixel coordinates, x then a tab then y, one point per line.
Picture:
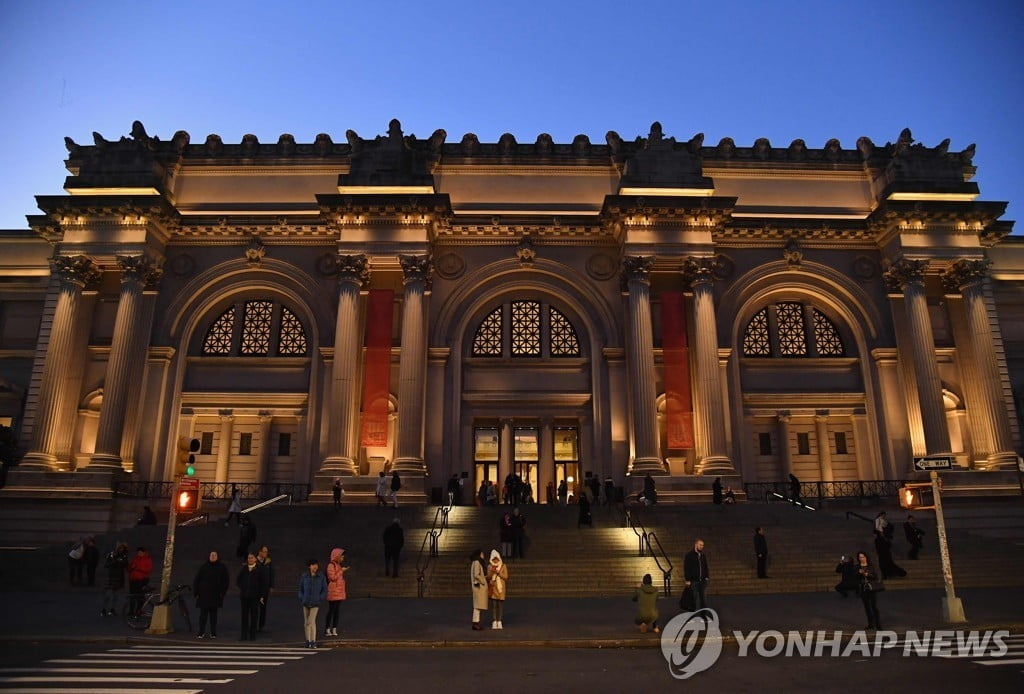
161	621
952	607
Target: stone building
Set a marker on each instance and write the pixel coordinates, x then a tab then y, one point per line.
308	311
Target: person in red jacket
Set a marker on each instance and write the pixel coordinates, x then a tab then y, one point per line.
335	590
139	569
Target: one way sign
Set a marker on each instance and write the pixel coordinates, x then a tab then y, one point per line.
935	462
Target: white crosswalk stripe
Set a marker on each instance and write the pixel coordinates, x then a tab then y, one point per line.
147	669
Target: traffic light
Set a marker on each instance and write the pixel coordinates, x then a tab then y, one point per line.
188	500
917	495
185	465
193	448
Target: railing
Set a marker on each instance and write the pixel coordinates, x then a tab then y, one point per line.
214	490
775	495
201	519
268	502
634	524
666	573
430	539
857	515
842	489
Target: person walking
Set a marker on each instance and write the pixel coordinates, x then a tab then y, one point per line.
497	587
868	588
913	535
116	565
210	586
139	570
251	587
381	490
394	539
650	491
794	489
267	566
337	491
505	533
91	559
518	533
716	492
234	508
312	592
396	484
646	599
761	552
76	562
695	573
478	585
609	491
335	591
246	536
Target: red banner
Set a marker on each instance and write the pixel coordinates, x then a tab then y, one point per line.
377	369
678	403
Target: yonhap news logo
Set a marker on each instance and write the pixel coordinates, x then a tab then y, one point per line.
692	642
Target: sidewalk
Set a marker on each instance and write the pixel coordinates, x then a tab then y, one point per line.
73	615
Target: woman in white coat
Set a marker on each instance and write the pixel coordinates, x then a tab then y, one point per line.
478	584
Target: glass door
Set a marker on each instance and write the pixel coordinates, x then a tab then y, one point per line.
486	447
567	462
526	456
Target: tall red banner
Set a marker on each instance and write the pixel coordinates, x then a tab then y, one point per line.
678	402
377	369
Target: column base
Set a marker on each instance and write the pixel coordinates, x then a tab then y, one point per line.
1004	460
338	466
716	465
408	466
39	461
53	484
641	466
105	461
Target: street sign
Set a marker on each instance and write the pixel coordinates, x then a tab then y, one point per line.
935	462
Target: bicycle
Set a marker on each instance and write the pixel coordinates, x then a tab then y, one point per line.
141	618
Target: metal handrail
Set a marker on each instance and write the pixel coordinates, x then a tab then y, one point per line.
194	520
268	502
769	495
666	574
432	536
837	489
641	533
857	515
157	489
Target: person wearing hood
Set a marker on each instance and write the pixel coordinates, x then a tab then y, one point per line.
335	590
646	599
210	586
497	582
312	591
478	583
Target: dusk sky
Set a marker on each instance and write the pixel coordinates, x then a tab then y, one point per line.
782	70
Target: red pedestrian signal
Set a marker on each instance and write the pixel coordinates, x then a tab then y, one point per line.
187	501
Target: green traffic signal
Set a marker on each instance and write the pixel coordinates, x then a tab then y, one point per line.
190	467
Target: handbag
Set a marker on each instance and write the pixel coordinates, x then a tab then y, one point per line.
875	586
77	552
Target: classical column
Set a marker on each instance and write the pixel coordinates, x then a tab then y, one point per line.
636	271
126	349
824	452
263	460
134	416
412	369
353	275
75	273
785	452
968	276
227	425
505	453
712	458
909	276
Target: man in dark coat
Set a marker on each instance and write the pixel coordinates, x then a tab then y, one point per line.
650	490
246	536
117	568
518	532
850	577
716	491
210	586
394	538
252	586
761	552
695	573
914	535
264	562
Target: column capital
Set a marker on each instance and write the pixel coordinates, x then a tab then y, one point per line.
353	268
637	268
902	272
821	417
226	415
963	273
783	416
140	268
265	416
76	269
698	270
416	268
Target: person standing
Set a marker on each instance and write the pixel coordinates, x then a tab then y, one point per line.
210	586
337	491
868	590
234	508
312	592
650	491
609	491
246	536
646	599
116	565
76	562
251	588
794	489
695	573
91	558
478	585
497	588
913	535
882	525
850	578
381	490
585	517
716	491
394	539
518	532
139	570
396	484
563	493
453	490
263	559
336	591
505	533
761	552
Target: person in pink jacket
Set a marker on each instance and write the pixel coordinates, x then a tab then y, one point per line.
335	589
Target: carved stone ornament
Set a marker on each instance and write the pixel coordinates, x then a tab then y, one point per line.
696	270
637	267
525	251
140	268
865	268
416	268
792	253
182	265
354	268
450	266
256	251
903	272
601	266
77	269
963	273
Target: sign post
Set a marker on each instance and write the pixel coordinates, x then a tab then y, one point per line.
952	606
161	620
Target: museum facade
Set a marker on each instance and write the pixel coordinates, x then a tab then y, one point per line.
338	309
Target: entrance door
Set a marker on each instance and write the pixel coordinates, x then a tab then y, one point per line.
526	456
486	447
567	460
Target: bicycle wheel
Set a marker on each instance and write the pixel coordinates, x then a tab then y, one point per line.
141	619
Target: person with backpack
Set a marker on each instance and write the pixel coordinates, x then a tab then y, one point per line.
396	484
116	564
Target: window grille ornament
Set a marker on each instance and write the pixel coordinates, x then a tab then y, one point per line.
293	337
563	339
487	341
256	328
756	338
792	338
525	328
218	337
827	342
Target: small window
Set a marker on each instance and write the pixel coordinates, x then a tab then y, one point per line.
840	443
245	444
206	443
764	443
803	444
284	445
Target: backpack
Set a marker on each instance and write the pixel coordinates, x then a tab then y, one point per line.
396	483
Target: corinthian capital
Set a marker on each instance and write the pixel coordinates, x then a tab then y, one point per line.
637	267
903	272
964	273
77	269
140	268
416	268
697	270
353	268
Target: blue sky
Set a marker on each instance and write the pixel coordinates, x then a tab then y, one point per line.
781	70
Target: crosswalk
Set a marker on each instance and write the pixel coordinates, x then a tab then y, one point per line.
1007	650
149	669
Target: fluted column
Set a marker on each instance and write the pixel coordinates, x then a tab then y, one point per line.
227	425
263	460
785	452
712	456
640	354
75	274
824	451
968	276
412	369
125	350
353	274
909	276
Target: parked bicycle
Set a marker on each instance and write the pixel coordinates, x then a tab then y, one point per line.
141	618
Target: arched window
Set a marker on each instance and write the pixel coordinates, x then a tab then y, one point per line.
535	330
267	328
791	329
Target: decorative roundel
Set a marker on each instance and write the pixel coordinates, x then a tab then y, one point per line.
327	264
182	265
864	267
450	266
601	266
724	267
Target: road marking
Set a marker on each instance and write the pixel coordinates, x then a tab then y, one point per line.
122	670
98	690
1001	661
196	656
149	680
163	661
